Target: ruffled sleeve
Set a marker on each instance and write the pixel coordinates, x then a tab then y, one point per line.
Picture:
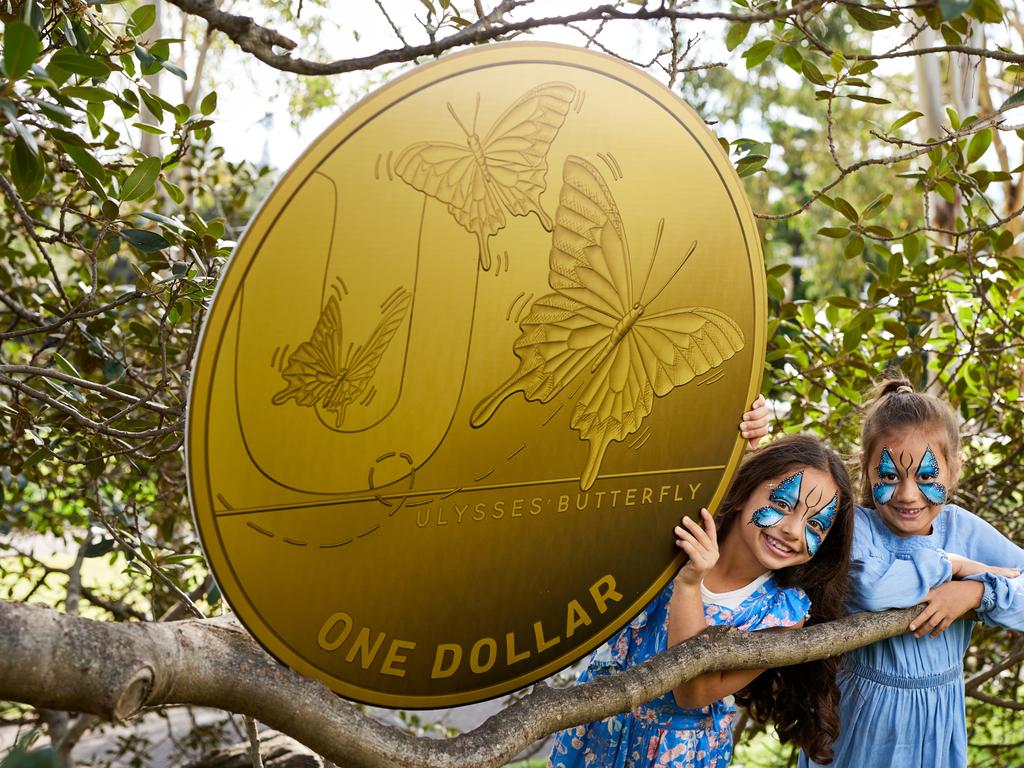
645	636
1002	603
781	607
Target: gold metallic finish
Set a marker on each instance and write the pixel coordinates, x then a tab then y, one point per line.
485	342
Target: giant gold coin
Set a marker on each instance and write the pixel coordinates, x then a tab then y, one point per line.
483	345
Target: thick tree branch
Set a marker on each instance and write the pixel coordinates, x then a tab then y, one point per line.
261	41
54	661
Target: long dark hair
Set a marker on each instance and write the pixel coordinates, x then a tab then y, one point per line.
802	700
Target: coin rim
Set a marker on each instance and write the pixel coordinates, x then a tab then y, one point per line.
197	415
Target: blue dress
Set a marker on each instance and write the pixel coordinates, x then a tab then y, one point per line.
903	698
661	733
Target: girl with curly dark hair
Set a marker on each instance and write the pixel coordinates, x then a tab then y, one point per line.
778	558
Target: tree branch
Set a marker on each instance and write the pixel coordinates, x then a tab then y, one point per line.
260	41
54	661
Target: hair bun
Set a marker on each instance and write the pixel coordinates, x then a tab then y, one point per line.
899	386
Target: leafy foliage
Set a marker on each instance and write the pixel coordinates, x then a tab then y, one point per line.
892	234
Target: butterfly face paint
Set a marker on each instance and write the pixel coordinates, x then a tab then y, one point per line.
927	477
909	482
819	524
784	497
888	478
789	526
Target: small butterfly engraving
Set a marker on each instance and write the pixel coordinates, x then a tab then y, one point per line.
324	373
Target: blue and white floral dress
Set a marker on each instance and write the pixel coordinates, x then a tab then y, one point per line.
660	733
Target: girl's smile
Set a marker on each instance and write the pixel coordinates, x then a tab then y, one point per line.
775	546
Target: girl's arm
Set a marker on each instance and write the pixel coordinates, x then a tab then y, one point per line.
686	614
1002	599
880	580
964	567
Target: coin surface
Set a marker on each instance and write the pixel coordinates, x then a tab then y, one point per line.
482	346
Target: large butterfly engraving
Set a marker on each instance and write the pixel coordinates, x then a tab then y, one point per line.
594	323
507	168
323	372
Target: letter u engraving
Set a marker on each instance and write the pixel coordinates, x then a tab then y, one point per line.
356	389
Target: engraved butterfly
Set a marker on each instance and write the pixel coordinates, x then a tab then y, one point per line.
593	322
323	373
506	169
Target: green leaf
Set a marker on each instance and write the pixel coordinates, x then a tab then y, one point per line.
1015	100
895	265
209	103
153	105
99	548
950	35
979	143
986	11
872	21
844	302
750	164
812	73
113	371
840	205
737	34
854	248
867	99
953	8
141	180
877	205
863	67
65	365
147	60
25	135
834	231
67	137
21	46
907	118
758	52
72	61
146	128
791	58
173	69
144	240
27	169
173	191
55	112
89	93
142	19
88	164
